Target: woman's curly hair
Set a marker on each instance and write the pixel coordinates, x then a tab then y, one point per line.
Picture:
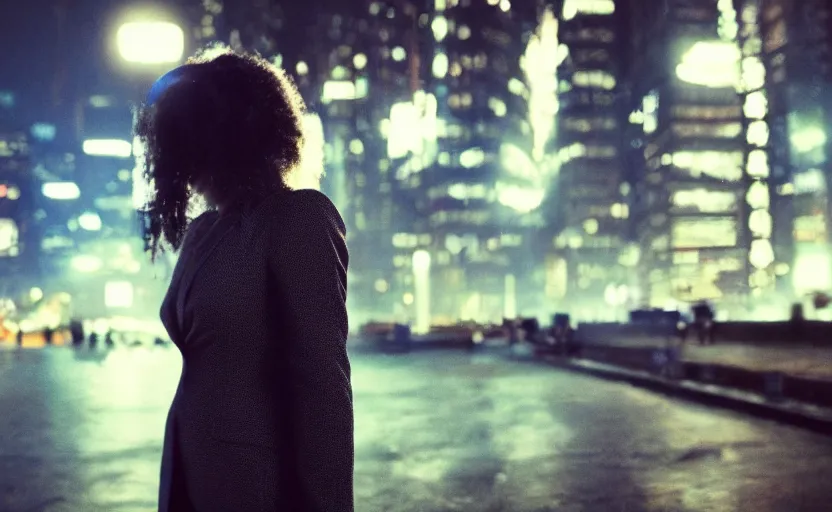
234	123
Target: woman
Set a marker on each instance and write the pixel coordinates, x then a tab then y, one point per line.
262	419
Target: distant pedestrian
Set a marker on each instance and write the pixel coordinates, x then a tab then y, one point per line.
19	337
76	331
93	340
108	339
48	335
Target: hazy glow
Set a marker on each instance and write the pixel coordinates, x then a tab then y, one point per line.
808	139
710	64
151	42
86	264
412	128
310	171
118	294
812	270
61	190
108	147
517	163
809	182
520	199
541	74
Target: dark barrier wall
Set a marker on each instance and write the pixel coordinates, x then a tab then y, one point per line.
799	333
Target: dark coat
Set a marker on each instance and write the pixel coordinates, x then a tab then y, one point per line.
262	419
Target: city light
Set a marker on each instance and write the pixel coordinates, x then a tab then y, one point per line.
90	221
808	139
86	264
337	90
9	234
541	72
118	294
61	190
108	147
421	279
440	65
572	8
310	171
151	42
711	64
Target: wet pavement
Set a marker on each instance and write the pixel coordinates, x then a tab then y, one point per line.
435	432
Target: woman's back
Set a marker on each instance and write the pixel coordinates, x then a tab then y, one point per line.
263	413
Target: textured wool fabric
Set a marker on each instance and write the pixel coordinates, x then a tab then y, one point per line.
262	419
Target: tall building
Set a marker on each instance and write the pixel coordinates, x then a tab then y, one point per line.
478	196
693	197
793	43
592	210
19	238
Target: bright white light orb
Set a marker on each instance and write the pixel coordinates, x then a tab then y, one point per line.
151	42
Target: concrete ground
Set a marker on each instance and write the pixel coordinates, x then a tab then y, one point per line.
81	431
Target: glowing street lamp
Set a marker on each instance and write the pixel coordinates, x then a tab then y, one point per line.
151	42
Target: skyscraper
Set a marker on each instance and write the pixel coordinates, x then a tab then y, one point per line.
793	43
475	202
592	205
694	197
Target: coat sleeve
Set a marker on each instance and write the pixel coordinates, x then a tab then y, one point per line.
309	259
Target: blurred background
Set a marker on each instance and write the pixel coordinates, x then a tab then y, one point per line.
525	157
578	184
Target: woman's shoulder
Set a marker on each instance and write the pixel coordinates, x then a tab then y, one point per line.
302	206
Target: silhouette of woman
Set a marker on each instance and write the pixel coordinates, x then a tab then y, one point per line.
262	419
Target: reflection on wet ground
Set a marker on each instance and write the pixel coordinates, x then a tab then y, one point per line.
81	431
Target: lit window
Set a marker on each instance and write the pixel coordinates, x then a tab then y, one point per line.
359	61
9	234
596	79
440	28
758	195
758	164
440	65
758	133
498	106
399	54
710	64
356	147
572	8
756	105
